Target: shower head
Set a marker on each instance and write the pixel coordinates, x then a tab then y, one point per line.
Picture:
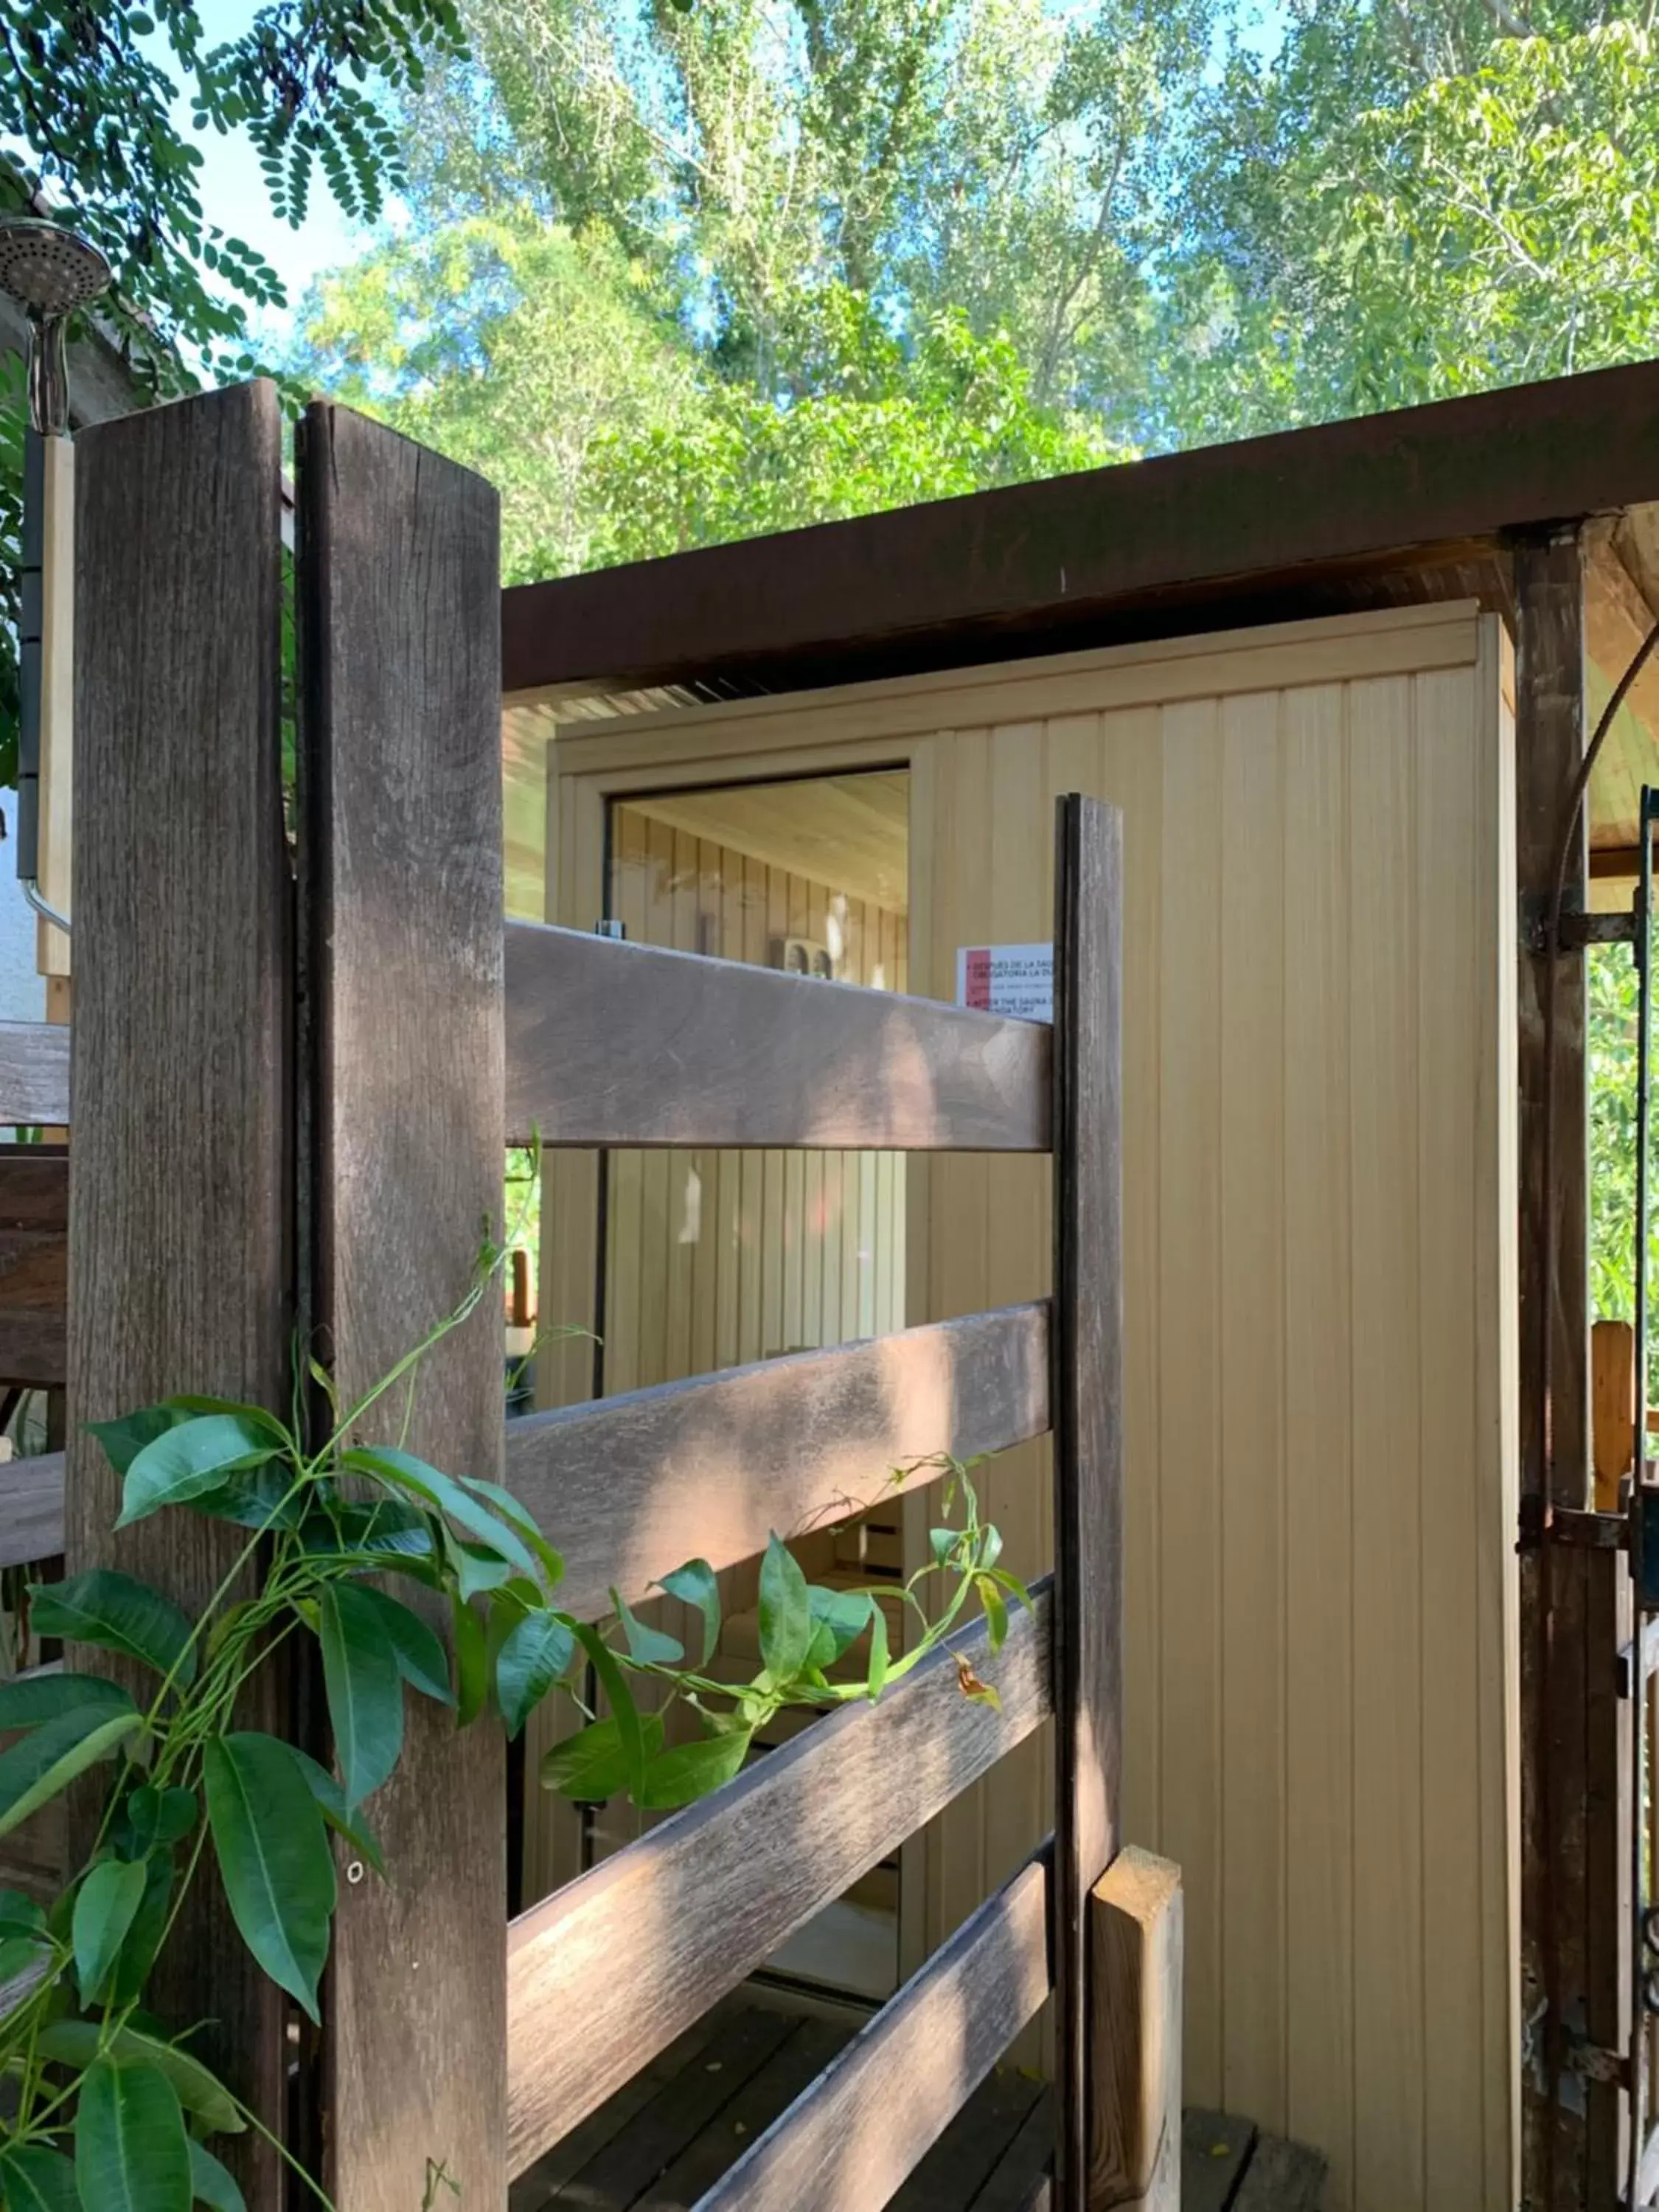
50	272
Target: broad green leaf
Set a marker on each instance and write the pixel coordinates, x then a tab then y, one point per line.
264	1497
211	2185
478	1570
422	1660
467	1511
691	1770
785	1614
339	1815
77	2043
647	1644
124	1439
996	1613
631	1726
365	1688
147	1931
519	1517
941	1542
48	1758
534	1656
876	1679
273	1853
131	2153
990	1549
35	2178
161	1816
472	1662
696	1584
104	1906
593	1764
195	1457
18	1953
389	1530
838	1618
27	1699
19	1915
1015	1587
113	1611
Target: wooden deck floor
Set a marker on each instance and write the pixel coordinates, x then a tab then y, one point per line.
669	2135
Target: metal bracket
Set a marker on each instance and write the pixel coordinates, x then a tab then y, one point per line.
1577	929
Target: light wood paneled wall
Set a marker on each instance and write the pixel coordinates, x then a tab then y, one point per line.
1320	1372
1319	1194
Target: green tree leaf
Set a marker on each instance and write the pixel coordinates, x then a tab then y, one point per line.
838	1618
131	2153
996	1613
785	1614
35	2178
518	1516
631	1729
46	1760
27	1699
147	1932
696	1584
273	1854
340	1816
365	1688
595	1764
651	1647
77	2043
691	1770
406	1472
124	1439
187	1461
104	1906
876	1679
211	2185
472	1662
113	1611
419	1652
20	1915
533	1658
161	1816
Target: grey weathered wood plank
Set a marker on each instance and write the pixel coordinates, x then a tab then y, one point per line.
870	2117
1087	1404
180	1245
31	1509
804	2052
631	1485
34	1074
648	1940
33	1265
609	1043
538	2185
1281	2177
1215	2147
400	761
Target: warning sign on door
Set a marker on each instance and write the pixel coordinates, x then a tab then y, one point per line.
1008	978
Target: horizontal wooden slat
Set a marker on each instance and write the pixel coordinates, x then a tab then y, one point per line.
34	1074
609	1043
630	1486
608	1971
31	1509
874	2112
34	1264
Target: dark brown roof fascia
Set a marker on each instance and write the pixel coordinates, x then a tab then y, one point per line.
1248	525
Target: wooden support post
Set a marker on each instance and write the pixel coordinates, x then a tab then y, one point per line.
181	1199
1573	1820
1135	1953
400	756
1087	1402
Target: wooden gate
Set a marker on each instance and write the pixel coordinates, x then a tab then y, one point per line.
295	1065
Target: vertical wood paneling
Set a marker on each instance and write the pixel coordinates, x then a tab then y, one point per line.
1188	1295
1388	1595
1251	1082
1319	1744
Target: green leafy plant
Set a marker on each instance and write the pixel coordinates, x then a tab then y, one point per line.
365	1549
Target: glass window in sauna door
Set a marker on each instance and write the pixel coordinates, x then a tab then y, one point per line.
713	1259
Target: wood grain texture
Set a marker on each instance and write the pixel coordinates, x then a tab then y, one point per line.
180	1238
34	1264
400	752
628	1486
717	1053
646	1942
1549	746
1134	2048
1088	1419
869	2119
35	1073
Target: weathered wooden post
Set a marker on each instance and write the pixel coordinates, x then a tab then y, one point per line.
401	906
181	1183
